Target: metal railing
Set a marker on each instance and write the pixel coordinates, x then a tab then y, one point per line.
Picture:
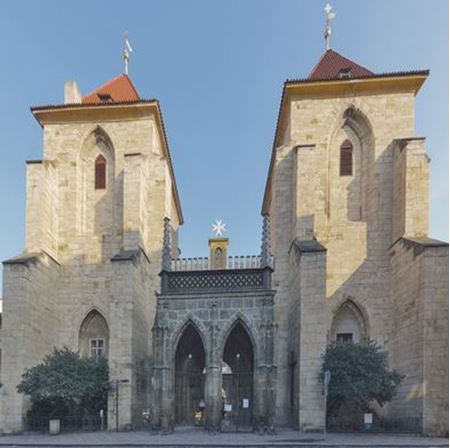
380	424
67	423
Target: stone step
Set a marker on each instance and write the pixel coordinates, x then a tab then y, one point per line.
211	444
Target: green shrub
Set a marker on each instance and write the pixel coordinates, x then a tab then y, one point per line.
359	375
66	384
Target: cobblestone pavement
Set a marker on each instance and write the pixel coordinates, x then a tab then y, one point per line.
190	437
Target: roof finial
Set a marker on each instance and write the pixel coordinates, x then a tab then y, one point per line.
126	51
219	227
330	16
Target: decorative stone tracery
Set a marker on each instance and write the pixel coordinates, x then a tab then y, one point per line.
215	303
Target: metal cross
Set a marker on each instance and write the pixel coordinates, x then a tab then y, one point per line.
127	50
330	16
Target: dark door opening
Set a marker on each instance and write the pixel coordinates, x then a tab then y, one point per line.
237	380
189	378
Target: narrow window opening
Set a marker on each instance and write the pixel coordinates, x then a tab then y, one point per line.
97	348
344	337
100	173
218	258
346	159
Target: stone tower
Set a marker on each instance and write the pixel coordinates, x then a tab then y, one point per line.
345	256
347	193
95	209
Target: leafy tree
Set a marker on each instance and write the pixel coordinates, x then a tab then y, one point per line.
66	384
359	375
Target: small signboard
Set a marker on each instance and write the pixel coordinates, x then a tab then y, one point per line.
245	403
368	421
228	407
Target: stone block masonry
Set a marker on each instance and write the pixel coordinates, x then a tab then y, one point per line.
90	249
347	199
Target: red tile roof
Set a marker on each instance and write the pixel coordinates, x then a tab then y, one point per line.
332	64
376	75
327	70
120	89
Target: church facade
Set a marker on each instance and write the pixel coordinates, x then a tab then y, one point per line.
345	255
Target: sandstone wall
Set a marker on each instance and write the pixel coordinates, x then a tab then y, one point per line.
284	302
310	333
107	246
418	345
357	243
30	321
357	218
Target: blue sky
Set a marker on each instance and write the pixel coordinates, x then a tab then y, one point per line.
217	67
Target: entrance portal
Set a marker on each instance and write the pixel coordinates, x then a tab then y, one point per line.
189	378
237	379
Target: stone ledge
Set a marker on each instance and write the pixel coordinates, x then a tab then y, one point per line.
418	244
248	294
129	255
408	139
426	241
26	258
305	146
126	255
305	246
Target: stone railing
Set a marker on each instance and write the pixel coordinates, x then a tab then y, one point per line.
226	280
194	276
202	263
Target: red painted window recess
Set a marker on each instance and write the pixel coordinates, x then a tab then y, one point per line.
346	166
100	173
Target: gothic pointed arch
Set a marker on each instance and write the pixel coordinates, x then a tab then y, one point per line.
96	183
351	154
350	323
238	378
97	136
355	117
239	318
93	337
238	348
190	320
190	362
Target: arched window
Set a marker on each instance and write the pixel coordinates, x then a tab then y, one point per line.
349	324
94	336
100	173
346	158
218	262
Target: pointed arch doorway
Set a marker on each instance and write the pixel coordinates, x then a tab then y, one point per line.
238	379
189	378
